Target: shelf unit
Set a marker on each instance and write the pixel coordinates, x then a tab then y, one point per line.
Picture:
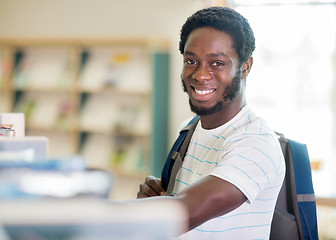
105	99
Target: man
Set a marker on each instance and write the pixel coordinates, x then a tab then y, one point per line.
234	167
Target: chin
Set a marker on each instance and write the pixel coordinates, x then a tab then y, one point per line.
206	111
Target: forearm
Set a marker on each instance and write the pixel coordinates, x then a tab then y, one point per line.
209	198
206	199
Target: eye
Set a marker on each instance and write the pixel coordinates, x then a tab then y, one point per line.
191	61
218	64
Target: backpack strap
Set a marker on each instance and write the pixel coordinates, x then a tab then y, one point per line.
306	199
176	156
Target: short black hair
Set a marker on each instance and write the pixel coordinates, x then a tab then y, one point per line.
226	20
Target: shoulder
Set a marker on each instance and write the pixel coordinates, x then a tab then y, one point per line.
252	138
248	123
184	123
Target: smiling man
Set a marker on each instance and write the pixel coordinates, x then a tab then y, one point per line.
234	167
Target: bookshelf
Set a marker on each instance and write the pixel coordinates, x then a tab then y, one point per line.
5	84
105	99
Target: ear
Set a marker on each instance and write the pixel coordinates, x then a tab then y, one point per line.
247	67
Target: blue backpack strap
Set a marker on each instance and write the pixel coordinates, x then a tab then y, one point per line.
304	189
167	169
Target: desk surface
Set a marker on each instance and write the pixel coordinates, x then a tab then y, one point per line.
93	219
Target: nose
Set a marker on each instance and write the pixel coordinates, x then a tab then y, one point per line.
201	73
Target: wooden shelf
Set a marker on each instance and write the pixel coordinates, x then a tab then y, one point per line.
74	88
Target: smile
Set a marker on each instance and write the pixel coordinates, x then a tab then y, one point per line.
204	92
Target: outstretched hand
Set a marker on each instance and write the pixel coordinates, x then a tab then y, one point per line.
151	188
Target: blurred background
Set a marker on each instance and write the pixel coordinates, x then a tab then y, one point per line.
101	79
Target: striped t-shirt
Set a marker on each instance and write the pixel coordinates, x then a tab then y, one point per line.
245	152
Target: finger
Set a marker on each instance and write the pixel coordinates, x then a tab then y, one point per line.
155	184
144	191
141	195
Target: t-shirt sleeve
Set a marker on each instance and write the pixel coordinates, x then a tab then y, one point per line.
251	163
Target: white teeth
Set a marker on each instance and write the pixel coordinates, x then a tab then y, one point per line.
203	92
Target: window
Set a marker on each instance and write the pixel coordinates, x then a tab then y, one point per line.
292	83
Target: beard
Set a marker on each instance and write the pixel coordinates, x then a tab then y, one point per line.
229	94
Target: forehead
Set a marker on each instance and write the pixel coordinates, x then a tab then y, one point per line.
208	40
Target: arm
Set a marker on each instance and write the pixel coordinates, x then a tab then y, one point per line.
206	199
209	198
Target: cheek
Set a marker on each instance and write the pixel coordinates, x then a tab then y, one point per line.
184	87
232	73
185	75
234	69
184	72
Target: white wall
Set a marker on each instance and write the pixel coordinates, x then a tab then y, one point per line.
105	18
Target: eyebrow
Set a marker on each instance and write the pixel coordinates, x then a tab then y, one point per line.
219	54
189	53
